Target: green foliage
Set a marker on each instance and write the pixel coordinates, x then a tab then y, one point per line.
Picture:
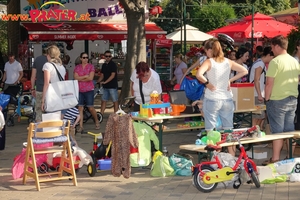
3	37
293	36
213	16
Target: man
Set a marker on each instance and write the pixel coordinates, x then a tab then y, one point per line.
13	72
37	79
281	92
109	80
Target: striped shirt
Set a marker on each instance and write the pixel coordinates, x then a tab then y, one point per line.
71	114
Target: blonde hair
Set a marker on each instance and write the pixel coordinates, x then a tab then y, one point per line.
217	52
54	54
180	56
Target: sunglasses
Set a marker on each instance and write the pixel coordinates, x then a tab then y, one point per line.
85	57
107	56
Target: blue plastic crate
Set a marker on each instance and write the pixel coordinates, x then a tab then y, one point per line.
104	164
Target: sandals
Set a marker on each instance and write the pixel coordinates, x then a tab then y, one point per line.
97	126
270	161
79	130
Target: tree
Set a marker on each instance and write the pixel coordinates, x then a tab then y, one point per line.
213	15
293	36
136	40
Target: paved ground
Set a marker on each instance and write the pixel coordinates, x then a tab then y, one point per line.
139	186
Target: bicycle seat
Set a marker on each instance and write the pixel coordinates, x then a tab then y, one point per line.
211	147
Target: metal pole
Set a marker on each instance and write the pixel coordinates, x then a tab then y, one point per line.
252	35
184	23
181	25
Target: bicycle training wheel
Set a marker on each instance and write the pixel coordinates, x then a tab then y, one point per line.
200	185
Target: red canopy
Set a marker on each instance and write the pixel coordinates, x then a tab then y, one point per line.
263	26
87	31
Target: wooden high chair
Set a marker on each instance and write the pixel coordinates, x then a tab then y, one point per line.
57	132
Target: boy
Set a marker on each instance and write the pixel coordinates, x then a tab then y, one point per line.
72	114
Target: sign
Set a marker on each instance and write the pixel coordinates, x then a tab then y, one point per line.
101	11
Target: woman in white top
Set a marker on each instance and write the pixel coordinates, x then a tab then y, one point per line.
150	82
50	74
258	77
218	96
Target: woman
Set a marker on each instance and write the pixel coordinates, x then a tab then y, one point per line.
258	76
218	99
84	73
49	69
242	55
148	79
180	69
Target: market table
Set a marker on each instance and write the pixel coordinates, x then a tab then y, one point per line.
160	119
200	148
295	138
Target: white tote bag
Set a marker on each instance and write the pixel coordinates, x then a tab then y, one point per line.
61	95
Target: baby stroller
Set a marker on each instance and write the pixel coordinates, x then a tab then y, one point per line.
25	108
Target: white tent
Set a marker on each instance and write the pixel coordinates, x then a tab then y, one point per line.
193	35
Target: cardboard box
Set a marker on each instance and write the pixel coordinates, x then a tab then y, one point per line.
243	95
264	172
257	154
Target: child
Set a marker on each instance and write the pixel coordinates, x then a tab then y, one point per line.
72	114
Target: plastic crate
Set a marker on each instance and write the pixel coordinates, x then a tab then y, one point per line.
104	164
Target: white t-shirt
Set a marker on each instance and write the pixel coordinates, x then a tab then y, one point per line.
12	71
53	75
257	64
152	84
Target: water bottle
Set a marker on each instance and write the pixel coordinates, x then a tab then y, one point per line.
165	151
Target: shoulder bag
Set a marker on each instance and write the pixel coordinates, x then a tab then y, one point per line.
61	95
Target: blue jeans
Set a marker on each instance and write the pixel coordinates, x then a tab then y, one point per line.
281	114
223	108
110	92
86	98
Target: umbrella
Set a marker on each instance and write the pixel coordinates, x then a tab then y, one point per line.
193	35
264	26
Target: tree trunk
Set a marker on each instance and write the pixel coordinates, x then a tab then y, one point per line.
136	41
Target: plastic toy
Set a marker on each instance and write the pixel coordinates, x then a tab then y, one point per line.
206	179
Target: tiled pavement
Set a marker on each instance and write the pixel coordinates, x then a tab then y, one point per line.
139	186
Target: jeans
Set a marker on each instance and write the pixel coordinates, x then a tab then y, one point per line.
281	114
86	98
223	108
110	92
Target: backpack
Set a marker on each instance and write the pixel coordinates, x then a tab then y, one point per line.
263	71
161	167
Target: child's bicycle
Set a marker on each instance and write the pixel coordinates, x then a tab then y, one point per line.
206	179
92	168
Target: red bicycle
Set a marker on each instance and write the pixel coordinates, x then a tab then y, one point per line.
206	178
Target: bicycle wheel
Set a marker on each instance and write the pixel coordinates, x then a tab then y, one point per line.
200	185
254	176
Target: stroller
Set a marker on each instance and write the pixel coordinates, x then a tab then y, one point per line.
25	107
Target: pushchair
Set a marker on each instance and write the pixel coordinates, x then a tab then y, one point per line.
25	108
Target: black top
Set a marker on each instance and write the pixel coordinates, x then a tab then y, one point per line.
107	70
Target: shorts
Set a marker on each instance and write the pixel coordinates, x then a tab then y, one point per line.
86	98
281	114
223	108
110	92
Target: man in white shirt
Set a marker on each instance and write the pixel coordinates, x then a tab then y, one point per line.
13	72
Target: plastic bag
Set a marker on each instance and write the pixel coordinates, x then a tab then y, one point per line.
161	167
213	137
193	88
4	100
181	165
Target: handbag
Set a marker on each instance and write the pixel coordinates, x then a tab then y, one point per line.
61	95
193	88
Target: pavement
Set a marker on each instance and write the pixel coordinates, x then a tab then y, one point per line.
139	186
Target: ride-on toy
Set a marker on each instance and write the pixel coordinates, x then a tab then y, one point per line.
206	179
92	168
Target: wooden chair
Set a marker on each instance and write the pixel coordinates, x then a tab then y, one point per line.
57	132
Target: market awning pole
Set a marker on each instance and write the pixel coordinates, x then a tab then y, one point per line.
181	25
252	34
184	23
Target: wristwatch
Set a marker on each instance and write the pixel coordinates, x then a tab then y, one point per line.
207	82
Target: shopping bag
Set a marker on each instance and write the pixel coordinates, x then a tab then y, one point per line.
61	95
4	100
181	165
193	88
161	167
